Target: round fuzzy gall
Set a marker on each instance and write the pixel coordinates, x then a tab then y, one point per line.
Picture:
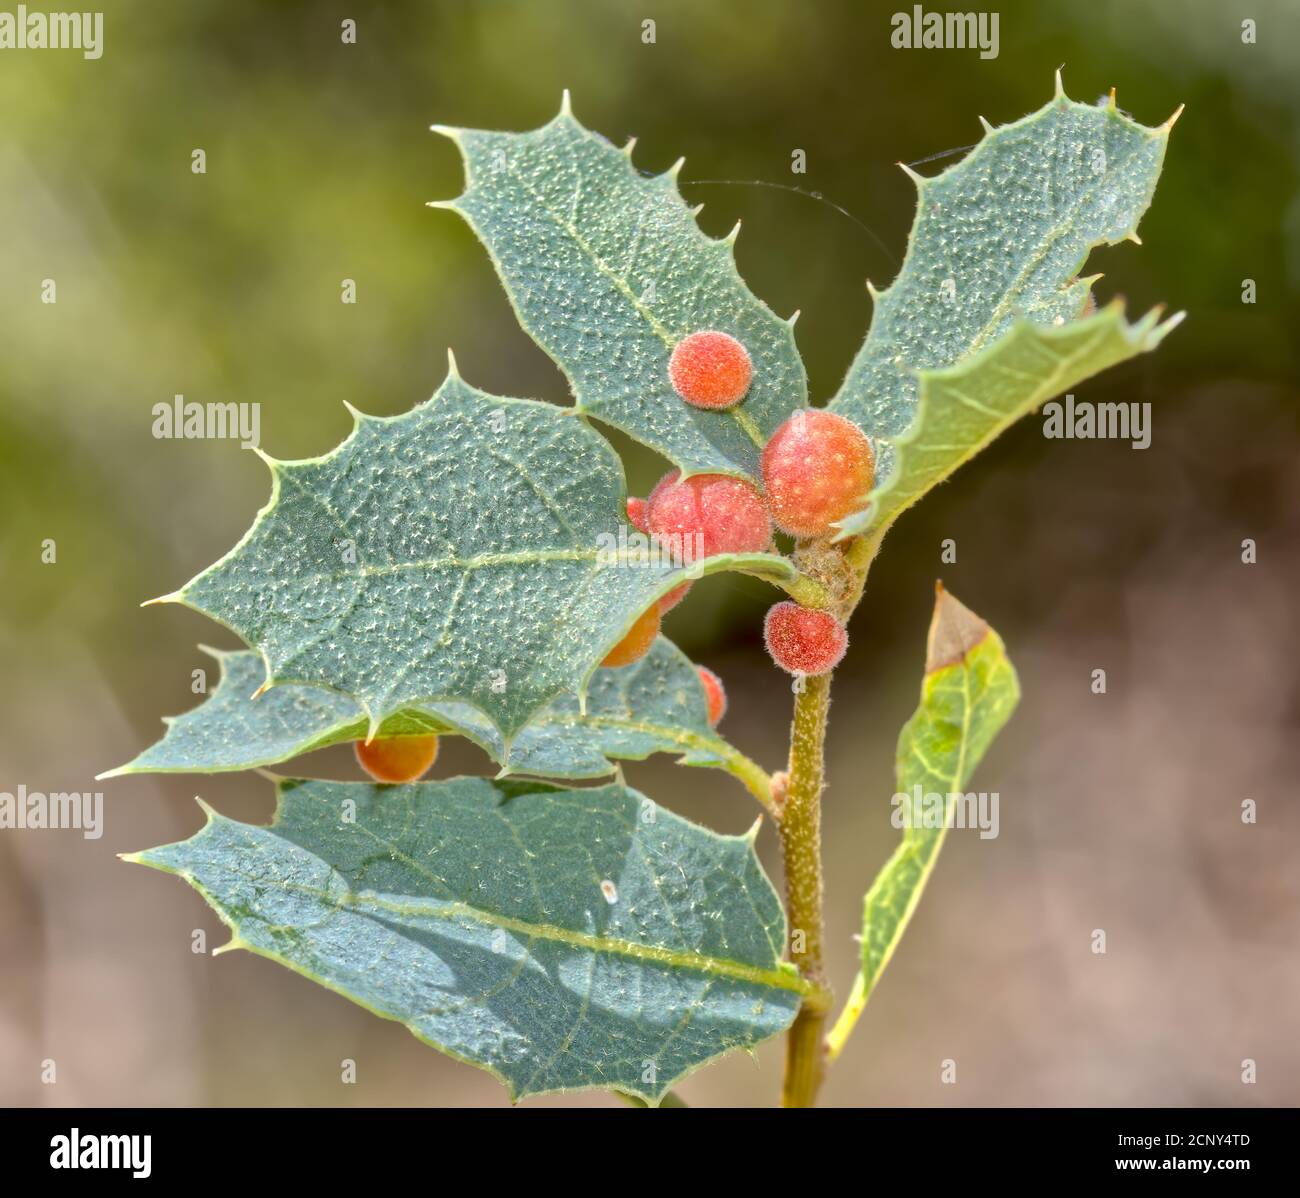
710	370
817	468
636	644
715	693
803	640
727	514
673	598
397	758
636	515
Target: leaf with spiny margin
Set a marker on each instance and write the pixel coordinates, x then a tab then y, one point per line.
607	270
964	408
1000	237
561	939
466	551
656	705
968	693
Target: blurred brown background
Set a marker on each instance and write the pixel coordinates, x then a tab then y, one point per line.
1119	811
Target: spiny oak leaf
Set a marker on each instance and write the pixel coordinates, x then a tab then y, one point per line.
608	272
560	939
659	705
998	242
466	550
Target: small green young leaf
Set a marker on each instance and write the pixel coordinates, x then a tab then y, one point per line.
657	705
962	409
968	694
466	551
608	271
561	939
999	238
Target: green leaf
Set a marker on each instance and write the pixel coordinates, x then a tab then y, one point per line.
465	551
657	705
968	693
999	239
964	408
561	939
608	270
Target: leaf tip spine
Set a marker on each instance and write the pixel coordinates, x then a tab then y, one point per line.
1059	86
986	126
1163	330
919	180
566	103
272	464
235	942
170	597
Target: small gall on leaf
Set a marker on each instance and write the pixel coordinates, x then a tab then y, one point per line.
636	644
726	514
802	640
673	598
715	693
636	515
817	468
710	370
397	758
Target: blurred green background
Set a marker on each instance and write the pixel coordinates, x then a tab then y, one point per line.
1119	811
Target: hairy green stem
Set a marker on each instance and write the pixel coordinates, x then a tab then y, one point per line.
754	777
841	574
800	829
802	588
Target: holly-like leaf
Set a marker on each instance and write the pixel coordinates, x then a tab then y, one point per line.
473	550
608	270
964	408
561	939
968	693
656	705
999	238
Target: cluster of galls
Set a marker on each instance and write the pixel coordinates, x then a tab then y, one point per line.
816	469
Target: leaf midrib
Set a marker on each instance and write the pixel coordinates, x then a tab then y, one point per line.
778	978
